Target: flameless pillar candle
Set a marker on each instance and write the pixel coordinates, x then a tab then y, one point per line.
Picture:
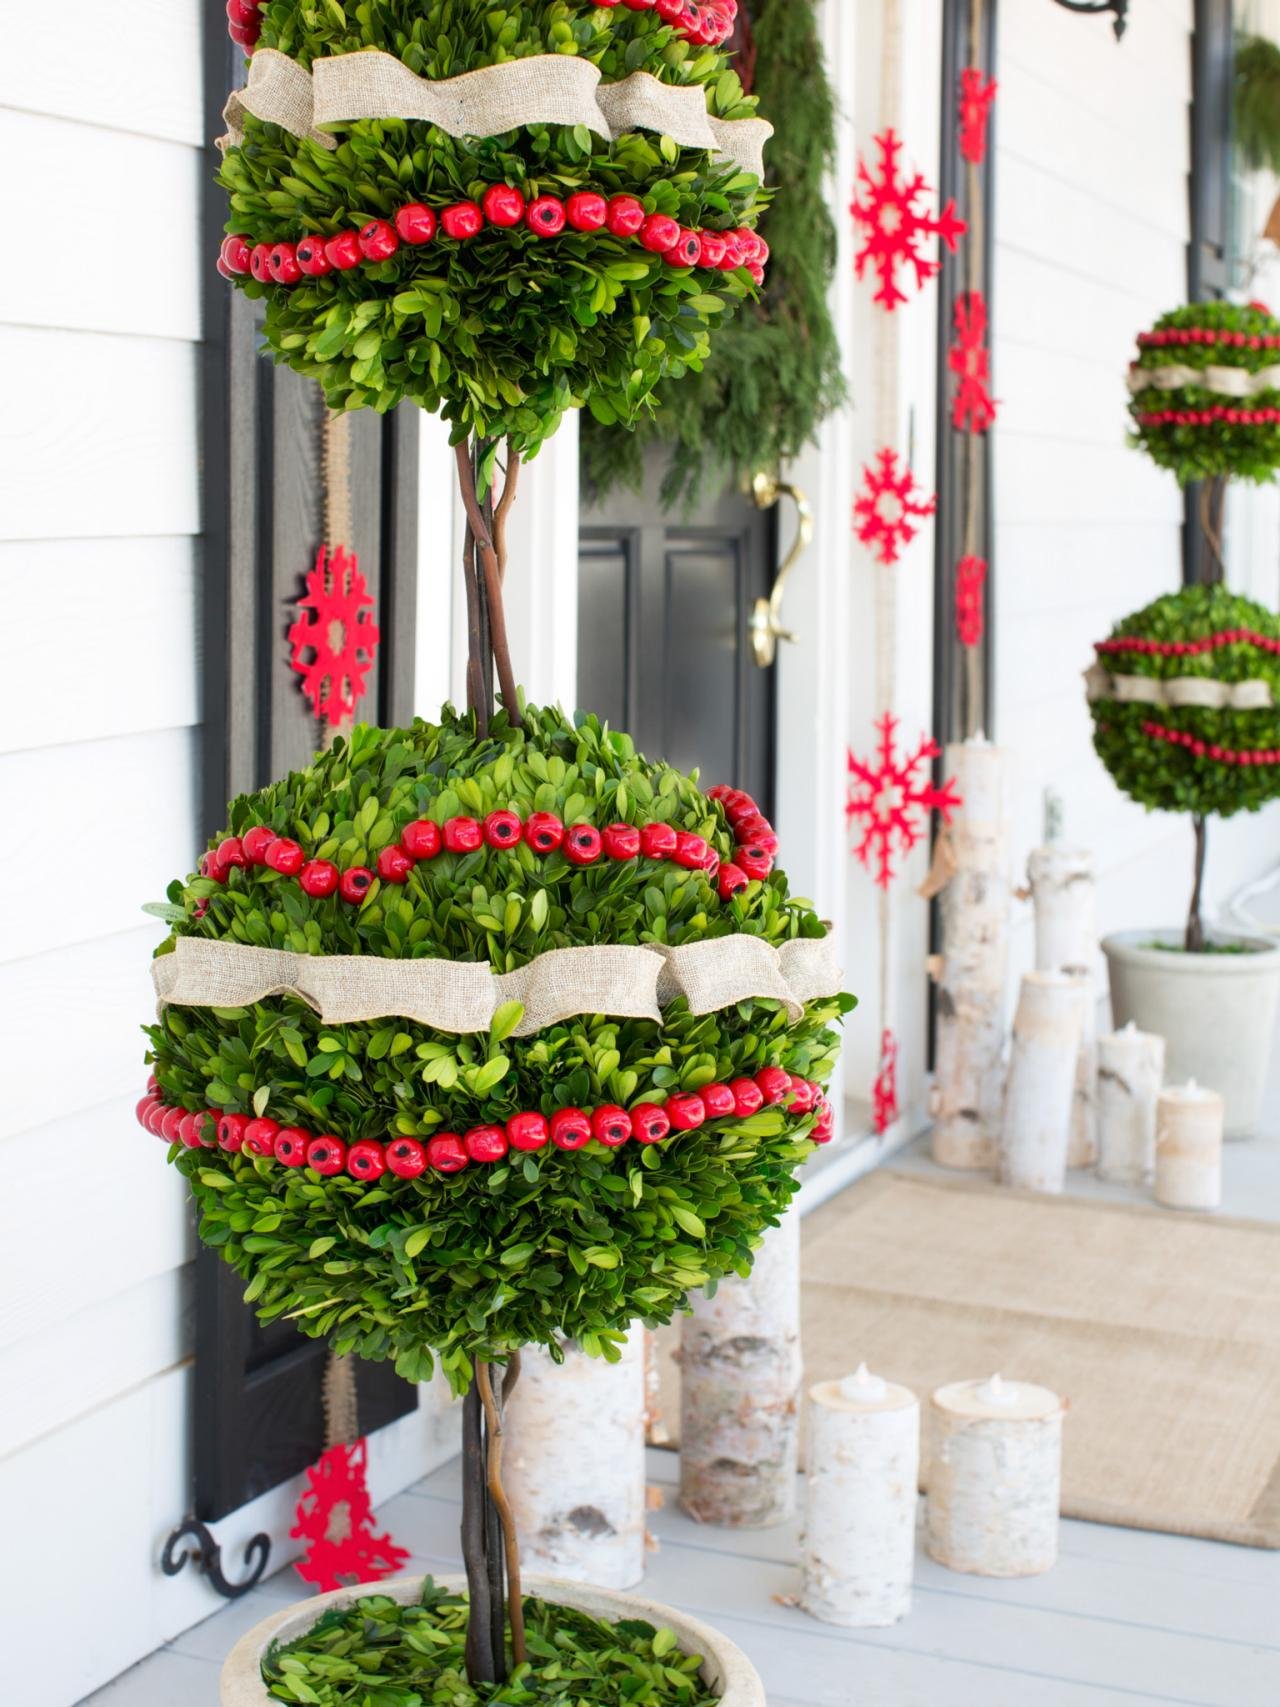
995	1477
1130	1071
860	1501
1189	1120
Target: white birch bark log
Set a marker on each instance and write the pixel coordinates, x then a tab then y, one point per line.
1189	1122
995	1477
1082	1140
1130	1073
1064	896
969	1074
1042	1072
740	1391
574	1465
859	1543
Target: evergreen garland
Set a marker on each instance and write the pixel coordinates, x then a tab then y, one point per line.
1256	108
775	374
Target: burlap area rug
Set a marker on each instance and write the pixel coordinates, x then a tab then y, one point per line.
1161	1330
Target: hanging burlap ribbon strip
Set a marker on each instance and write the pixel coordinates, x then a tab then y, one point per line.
1224	381
1177	690
550	88
455	996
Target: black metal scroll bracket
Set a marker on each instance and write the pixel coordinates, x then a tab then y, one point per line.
208	1555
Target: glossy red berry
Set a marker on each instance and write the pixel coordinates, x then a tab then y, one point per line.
486	1143
143	1109
824	1128
462	220
686	251
747	1097
223	270
625	216
717	1100
570	1129
586	210
543	831
462	835
231	852
421	839
171	1125
209	867
355	884
649	1123
291	1146
657	841
260	262
235	254
610	1125
231	1129
711	247
366	1160
803	1095
416	224
756	832
260	1137
312	259
255	843
153	1119
318	878
527	1131
406	1158
686	1112
732	880
659	233
621	841
546	216
774	1083
378	240
502	829
711	865
691	851
755	861
286	856
198	1131
327	1154
394	864
503	205
583	845
445	1153
738	807
284	264
344	251
245	13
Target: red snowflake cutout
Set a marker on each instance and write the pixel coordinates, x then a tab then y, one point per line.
971	575
335	1519
888	797
894	227
884	1093
335	638
973	408
890	501
977	93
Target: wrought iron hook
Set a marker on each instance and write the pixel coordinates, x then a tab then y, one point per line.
208	1554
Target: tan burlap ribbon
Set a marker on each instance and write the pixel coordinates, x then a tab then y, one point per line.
1225	381
550	88
1177	690
456	996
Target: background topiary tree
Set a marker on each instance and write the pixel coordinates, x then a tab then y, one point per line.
1175	755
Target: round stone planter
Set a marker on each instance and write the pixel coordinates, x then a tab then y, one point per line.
1216	1012
725	1666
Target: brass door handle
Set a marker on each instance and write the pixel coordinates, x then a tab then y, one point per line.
766	615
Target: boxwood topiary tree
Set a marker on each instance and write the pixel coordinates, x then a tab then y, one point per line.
1185	698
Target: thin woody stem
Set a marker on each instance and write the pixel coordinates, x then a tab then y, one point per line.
483	1665
498	1494
508	498
488	575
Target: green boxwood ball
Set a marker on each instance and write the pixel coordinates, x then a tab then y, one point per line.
541	1246
1171	777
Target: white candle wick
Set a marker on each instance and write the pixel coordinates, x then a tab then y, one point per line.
1131	1029
996	1391
863	1385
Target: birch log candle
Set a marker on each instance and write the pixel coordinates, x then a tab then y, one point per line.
1064	897
860	1501
574	1465
1038	1100
1189	1120
1130	1073
995	1477
740	1391
969	1076
1082	1140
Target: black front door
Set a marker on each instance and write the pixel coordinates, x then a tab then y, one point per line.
664	648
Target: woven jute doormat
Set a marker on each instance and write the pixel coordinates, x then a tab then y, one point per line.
1161	1331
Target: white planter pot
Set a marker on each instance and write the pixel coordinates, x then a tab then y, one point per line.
1216	1012
724	1663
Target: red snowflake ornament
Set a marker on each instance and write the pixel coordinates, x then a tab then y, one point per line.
977	93
888	797
885	209
335	638
884	1093
889	503
335	1519
973	408
971	575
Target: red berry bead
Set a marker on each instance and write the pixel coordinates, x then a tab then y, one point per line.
803	1095
231	852
378	240
421	839
686	251
260	1137
143	1109
355	884
657	841
621	841
235	254
731	881
747	1097
671	11
546	216
583	845
486	1143
649	1123
755	861
406	1158
503	205
394	864
691	851
686	1112
527	1131
255	843
291	1146
366	1160
445	1153
711	248
774	1083
543	831
209	867
171	1125
260	262
462	835
738	807
502	829
610	1125
415	223
312	259
757	832
231	1129
659	233
327	1154
245	13
625	216
570	1129
153	1120
586	210
756	269
344	251
286	856
319	877
717	1100
462	220
194	1130
284	264
824	1128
